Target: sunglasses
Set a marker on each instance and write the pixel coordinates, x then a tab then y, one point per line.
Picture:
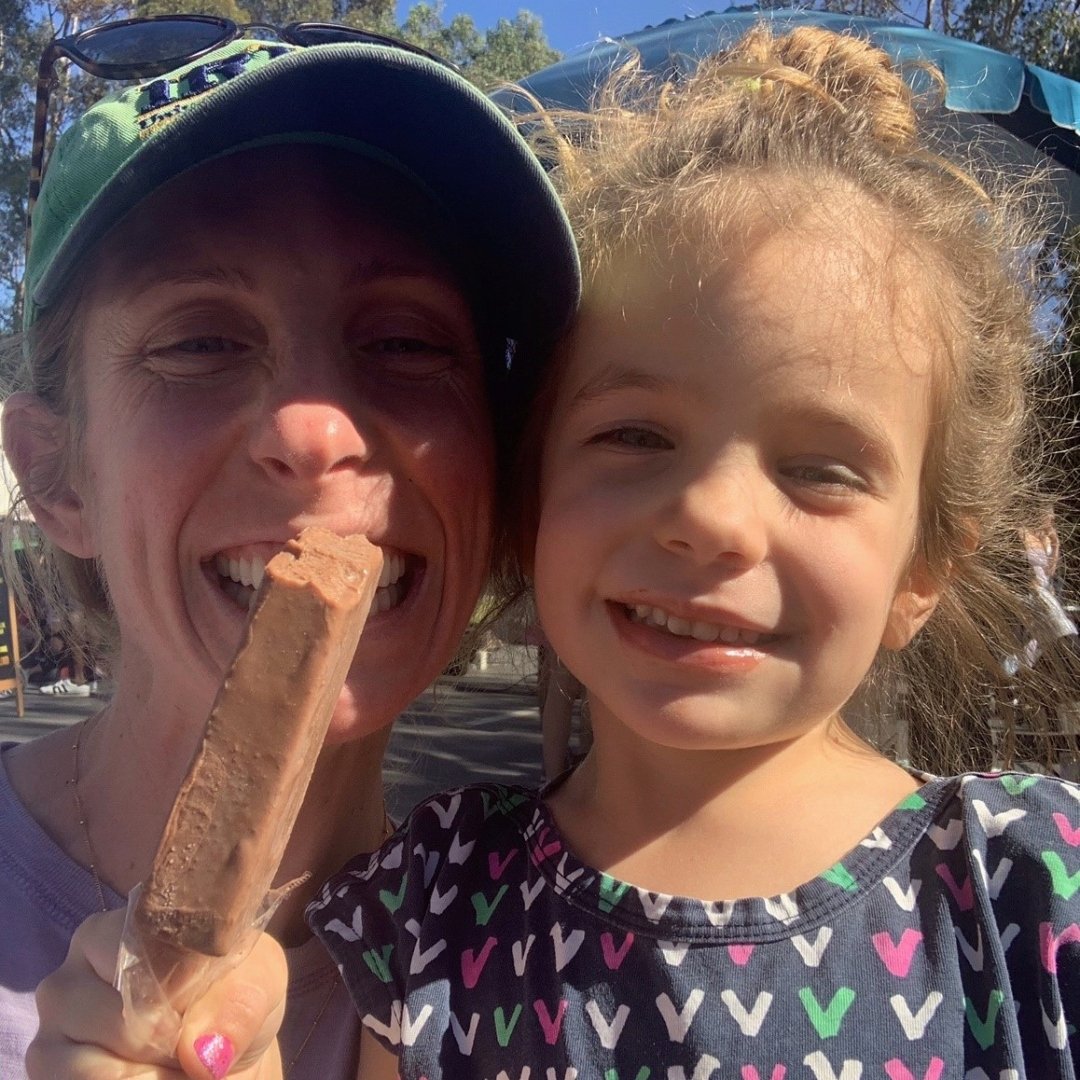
132	49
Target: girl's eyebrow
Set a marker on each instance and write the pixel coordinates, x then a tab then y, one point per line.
861	424
614	377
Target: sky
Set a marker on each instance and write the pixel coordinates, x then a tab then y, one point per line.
572	23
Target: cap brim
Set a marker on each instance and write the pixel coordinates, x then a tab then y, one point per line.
427	120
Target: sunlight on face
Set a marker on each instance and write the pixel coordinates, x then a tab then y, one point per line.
734	461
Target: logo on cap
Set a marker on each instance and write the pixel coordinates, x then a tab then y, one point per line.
165	99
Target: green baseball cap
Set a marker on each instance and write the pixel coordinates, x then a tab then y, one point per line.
406	110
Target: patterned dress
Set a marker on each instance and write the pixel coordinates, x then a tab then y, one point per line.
944	946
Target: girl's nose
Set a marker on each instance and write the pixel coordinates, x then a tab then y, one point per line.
308	438
716	516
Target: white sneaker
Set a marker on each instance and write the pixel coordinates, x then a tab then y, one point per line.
66	686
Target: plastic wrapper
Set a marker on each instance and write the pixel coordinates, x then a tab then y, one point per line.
158	981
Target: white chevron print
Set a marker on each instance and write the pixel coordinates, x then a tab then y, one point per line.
678	1022
914	1024
812	953
749	1021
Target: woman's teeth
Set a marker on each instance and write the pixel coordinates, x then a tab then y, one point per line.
243	571
702	631
391	589
241	578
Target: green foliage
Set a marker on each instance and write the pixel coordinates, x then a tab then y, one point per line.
511	49
1043	32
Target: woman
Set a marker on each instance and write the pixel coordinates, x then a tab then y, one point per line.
277	286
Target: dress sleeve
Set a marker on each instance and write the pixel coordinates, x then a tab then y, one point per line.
1024	837
368	914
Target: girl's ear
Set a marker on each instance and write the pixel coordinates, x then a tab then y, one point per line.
35	443
912	606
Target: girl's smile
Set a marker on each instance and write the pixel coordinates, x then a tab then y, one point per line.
730	486
720	642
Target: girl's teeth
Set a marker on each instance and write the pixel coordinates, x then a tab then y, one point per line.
258	569
702	631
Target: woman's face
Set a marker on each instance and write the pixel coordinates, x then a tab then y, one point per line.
272	342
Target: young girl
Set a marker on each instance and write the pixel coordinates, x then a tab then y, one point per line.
780	461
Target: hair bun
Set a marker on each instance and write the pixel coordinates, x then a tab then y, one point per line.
848	71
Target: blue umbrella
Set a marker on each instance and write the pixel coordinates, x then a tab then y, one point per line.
1033	111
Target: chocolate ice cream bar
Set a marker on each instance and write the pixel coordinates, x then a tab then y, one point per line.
234	812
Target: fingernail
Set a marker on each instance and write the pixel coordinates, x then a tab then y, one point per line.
216	1052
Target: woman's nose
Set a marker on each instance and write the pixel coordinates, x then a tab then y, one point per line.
716	516
306	439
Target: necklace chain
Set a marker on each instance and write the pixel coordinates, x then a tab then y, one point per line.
80	813
314	1024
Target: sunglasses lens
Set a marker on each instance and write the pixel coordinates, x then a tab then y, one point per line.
332	34
153	41
327	34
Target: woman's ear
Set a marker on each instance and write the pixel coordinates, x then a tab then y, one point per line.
912	606
35	443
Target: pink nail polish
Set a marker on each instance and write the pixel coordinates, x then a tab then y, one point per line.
216	1052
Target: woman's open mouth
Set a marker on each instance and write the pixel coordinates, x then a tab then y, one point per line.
240	576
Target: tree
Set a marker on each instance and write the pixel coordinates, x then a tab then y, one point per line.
511	49
1043	32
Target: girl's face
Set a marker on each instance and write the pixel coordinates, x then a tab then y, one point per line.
730	487
268	346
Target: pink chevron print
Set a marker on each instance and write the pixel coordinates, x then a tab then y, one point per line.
897	1070
613	956
897	958
1070	835
472	965
1049	943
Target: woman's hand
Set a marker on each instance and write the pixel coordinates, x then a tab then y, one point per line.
230	1031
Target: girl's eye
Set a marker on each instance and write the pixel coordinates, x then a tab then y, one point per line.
826	476
632	438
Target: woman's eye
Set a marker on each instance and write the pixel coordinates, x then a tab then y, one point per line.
200	346
632	438
412	357
198	356
404	346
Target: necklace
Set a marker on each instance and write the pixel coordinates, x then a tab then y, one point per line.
387	832
80	812
314	1024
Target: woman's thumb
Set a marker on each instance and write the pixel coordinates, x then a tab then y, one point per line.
231	1030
